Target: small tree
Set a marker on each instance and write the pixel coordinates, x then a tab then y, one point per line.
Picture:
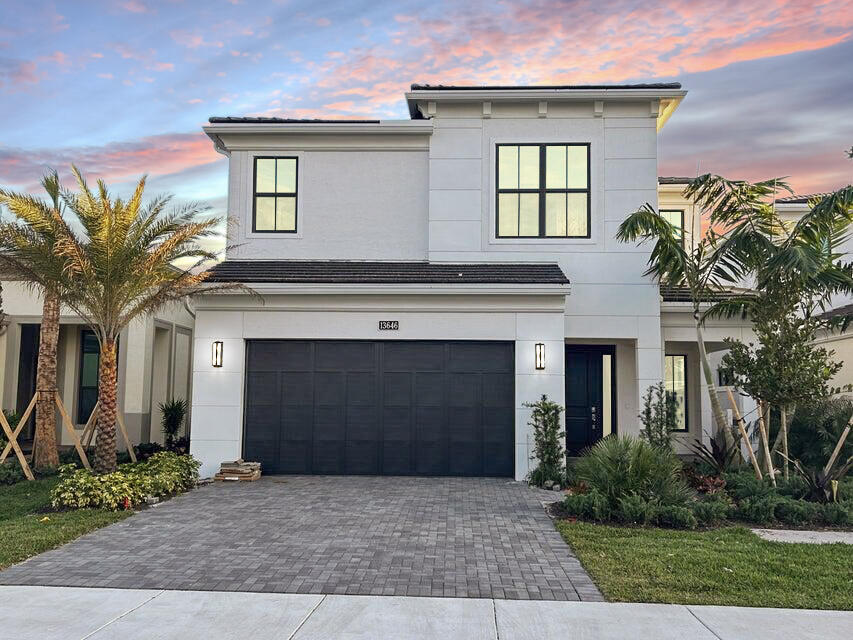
659	416
548	449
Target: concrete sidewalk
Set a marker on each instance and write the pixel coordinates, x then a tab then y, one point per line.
72	613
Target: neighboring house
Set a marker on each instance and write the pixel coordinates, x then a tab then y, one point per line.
153	364
414	284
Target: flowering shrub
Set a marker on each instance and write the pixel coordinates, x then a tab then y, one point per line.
163	474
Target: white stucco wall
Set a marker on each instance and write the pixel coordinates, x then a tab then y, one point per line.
217	403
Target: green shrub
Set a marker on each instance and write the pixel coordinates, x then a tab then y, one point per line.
744	484
711	512
635	510
70	456
591	505
659	416
173	411
675	517
619	466
759	509
548	452
796	512
794	487
11	472
163	474
836	513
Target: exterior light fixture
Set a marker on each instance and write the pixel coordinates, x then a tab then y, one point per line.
540	355
216	357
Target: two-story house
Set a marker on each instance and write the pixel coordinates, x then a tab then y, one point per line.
413	285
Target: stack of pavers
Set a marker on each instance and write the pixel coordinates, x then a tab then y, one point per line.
239	471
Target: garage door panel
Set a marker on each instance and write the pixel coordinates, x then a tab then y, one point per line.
413	356
474	356
297	388
392	407
330	388
397	389
348	356
429	389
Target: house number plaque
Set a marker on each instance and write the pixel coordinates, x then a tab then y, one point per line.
389	325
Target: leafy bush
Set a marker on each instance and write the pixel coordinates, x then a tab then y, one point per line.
675	516
659	416
591	505
719	456
70	456
711	512
758	509
796	512
619	466
635	510
548	451
163	474
836	513
744	484
145	450
11	472
814	431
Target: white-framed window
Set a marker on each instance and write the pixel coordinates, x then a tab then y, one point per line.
274	185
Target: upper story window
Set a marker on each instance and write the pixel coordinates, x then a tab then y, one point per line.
543	191
274	195
675	217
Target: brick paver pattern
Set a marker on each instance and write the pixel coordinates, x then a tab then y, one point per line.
455	537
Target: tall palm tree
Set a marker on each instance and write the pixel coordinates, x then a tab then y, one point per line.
121	266
709	264
45	453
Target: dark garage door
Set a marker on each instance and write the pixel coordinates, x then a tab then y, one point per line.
383	407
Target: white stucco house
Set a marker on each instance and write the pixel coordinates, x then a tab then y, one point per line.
415	283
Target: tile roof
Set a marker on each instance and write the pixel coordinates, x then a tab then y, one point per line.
682	294
846	310
351	271
802	199
673	180
578	87
271	120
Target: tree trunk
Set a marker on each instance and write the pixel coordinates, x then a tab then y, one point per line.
46	454
105	443
783	428
716	407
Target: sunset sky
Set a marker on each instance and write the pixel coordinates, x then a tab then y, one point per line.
122	87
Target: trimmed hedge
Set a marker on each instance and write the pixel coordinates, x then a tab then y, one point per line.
163	474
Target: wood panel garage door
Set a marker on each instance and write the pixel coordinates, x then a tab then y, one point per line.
381	407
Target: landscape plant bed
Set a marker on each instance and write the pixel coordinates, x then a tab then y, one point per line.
724	566
29	525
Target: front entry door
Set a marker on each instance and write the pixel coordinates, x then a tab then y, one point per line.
589	395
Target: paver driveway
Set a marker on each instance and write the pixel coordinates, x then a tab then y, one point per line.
458	537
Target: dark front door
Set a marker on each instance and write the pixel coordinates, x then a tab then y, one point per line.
381	407
27	367
589	395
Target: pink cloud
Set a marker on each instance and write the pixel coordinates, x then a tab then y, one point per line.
16	73
162	66
114	162
322	22
192	40
134	6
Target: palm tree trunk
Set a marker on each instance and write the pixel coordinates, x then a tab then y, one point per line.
105	443
46	454
716	407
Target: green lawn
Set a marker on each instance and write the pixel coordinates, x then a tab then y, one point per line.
728	566
24	534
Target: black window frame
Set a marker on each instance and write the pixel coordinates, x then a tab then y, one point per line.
679	211
686	428
83	419
542	190
265	194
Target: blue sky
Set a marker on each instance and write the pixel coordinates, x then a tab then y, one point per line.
122	87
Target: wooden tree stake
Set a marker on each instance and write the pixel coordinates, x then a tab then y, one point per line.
837	449
764	441
13	442
120	421
69	426
89	429
20	427
743	435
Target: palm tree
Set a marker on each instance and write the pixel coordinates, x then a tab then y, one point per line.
45	453
121	266
708	265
